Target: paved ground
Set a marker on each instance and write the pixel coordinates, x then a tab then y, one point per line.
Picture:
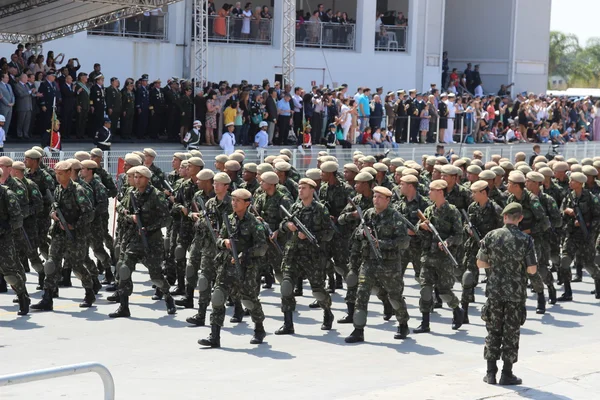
153	355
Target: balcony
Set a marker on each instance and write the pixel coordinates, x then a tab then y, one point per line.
232	29
391	38
152	27
325	35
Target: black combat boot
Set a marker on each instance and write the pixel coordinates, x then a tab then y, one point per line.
298	290
314	304
331	283
89	298
41	277
46	304
171	309
357	336
108	277
388	310
24	302
348	318
238	313
327	320
424	327
259	333
597	286
288	325
97	285
403	331
3	286
66	278
465	308
551	294
578	277
112	287
568	294
55	293
457	318
214	339
114	297
492	370
438	299
187	301
269	280
541	304
507	377
179	290
158	294
199	319
123	310
339	282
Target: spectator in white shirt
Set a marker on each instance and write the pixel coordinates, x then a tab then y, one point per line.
479	91
261	139
510	134
227	142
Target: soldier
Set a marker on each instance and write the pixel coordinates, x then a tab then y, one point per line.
232	168
157	109
249	176
436	266
128	103
97	103
293	173
146	245
171	95
11	221
303	257
510	255
114	103
473	172
381	270
68	242
494	194
581	216
83	104
350	172
382	178
250	240
142	104
158	177
485	216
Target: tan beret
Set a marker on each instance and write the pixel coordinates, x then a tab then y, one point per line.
441	160
380	167
351	167
75	164
559	158
386	161
269	159
287	152
324	153
409	179
133	159
454	157
313	174
539	165
587	161
596	164
518	164
516	177
524	169
283	166
397	162
487	174
196	161
357	157
437	168
520	156
589	170
496	157
232	165
499	171
572	160
38	149
546	172
383	190
184	164
148	152
459	163
270	177
438	184
478	186
540	159
181	156
363	177
535	176
560	166
431	160
284	157
240	151
96	152
370	159
250	167
370	170
221	158
241	194
474	169
6	161
576	168
264	167
82	155
89	164
578	177
329	166
328	157
33	154
477	153
131	170
507	165
410	171
450	170
399	170
144	171
477	162
309	182
205	175
196	153
222	177
20	165
239	157
490	164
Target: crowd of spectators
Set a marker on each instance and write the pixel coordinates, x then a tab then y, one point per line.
324	26
243	24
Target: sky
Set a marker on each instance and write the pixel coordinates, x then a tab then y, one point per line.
580	17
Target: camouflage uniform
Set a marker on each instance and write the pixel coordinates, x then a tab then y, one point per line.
45	182
292	187
251	242
558	193
509	252
20	191
498	197
459	197
186	226
173	230
11	222
158	176
250	186
555	219
392	239
294	174
409	210
111	190
97	232
36	208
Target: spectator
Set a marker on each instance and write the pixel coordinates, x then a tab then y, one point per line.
376	112
261	139
284	119
271	113
227	142
364	110
211	118
7	99
220	22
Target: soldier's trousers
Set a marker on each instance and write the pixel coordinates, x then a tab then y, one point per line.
207	277
247	285
576	245
9	265
436	271
82	118
303	263
97	236
151	261
503	320
172	235
106	237
271	261
388	276
184	241
43	227
542	251
72	253
30	226
412	255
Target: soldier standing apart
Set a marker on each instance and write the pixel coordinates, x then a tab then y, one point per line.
97	103
436	265
510	255
114	103
384	270
142	104
303	258
251	243
128	104
83	104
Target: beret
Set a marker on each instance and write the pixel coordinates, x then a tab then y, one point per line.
232	165
560	166
82	155
363	177
96	152
239	157
410	171
133	159
264	167
313	174
357	157
518	164
240	151
450	170
386	161
308	181
454	157
270	177
38	149
370	159
356	152
329	166
287	152
576	168
589	170
524	169
516	177
559	158
436	167
250	167
383	190
477	162
424	157
196	153
416	166
221	158
474	169
459	163
75	164
546	172
496	157
535	177
520	156
222	177
438	184
587	161
442	160
20	165
596	164
196	161
150	153
281	166
597	158
33	154
431	160
539	165
184	164
409	179
144	171
205	175
131	170
490	164
269	159
284	157
6	161
90	164
140	154
241	194
324	153
487	174
477	153
478	186
399	170
572	161
370	170
540	158
380	167
181	156
513	208
578	177
327	158
351	167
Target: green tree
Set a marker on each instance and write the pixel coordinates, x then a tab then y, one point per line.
564	47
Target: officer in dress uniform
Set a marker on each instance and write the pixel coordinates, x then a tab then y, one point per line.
114	103
97	104
142	104
103	135
156	126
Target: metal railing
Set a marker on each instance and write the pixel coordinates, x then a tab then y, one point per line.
66	370
391	38
325	35
233	29
141	26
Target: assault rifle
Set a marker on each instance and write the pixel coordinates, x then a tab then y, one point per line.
438	237
293	218
140	225
474	230
233	249
206	219
367	231
61	217
579	217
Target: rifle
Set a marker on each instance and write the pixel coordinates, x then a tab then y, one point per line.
168	186
233	250
366	230
474	230
438	237
292	218
580	219
333	226
206	219
410	225
268	228
140	225
61	217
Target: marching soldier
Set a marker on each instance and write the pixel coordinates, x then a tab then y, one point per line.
249	176
158	176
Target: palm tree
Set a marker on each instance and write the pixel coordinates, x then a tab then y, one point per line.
564	47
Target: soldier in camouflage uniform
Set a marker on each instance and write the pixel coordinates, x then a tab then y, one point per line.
282	170
158	177
436	266
11	221
510	254
581	216
294	174
556	192
204	249
301	257
232	168
249	176
71	200
383	178
384	270
494	193
249	237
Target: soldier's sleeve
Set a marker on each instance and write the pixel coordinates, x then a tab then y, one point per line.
179	200
554	213
161	212
15	218
259	238
283	224
85	206
109	183
346	215
223	234
36	199
456	238
326	232
101	197
50	182
542	223
530	256
422	232
595	224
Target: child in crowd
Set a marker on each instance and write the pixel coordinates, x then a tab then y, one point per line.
365	137
377	139
306	138
582	135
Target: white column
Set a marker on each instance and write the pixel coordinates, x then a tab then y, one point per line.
277	23
365	26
